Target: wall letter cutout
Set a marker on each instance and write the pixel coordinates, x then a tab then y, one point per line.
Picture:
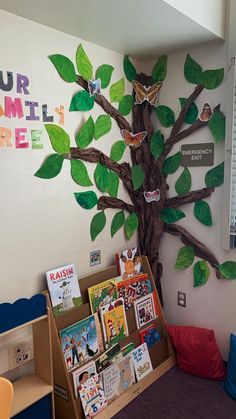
36	135
22	83
6	87
46	118
61	112
13	107
32	106
5	135
20	139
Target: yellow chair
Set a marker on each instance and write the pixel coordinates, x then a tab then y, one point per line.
6	397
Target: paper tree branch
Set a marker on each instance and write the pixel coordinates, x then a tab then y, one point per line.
94	155
192	196
105	202
107	107
200	249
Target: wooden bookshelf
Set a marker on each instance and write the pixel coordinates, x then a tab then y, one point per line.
161	354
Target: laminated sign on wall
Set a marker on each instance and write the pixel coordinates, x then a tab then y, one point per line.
197	154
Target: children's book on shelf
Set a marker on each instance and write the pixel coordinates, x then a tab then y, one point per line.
108	358
64	289
129	262
82	374
79	342
141	361
150	335
144	310
92	396
114	322
118	378
127	349
99	333
102	294
133	288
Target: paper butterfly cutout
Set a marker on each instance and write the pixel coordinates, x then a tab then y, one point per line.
94	87
206	113
152	196
150	93
133	140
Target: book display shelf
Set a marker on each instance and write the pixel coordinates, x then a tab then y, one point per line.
33	393
161	354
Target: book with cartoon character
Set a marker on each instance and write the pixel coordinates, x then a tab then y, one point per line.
114	323
141	361
109	357
144	309
118	378
92	396
79	342
64	289
133	288
102	294
82	374
129	263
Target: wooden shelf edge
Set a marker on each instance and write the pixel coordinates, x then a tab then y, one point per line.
27	391
137	389
21	326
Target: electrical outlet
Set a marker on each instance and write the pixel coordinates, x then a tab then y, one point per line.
181	300
20	352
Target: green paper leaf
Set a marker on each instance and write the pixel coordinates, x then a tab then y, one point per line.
101	177
192	113
193	71
81	101
215	176
172	163
117	150
64	67
217	126
165	115
79	173
84	65
117	90
129	69
126	104
201	273
60	140
157	144
85	135
104	73
98	223
137	174
213	78
131	225
51	167
184	182
202	212
117	222
113	184
228	269
159	70
171	215
102	126
185	257
86	200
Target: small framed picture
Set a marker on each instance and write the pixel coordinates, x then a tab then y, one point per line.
95	257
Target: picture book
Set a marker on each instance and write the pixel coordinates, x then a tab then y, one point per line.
133	288
92	396
129	263
108	358
79	342
64	289
150	335
82	374
102	294
144	310
118	378
141	361
114	322
127	349
99	333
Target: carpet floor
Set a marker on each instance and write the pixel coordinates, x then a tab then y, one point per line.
177	395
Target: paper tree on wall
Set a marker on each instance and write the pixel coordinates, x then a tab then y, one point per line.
150	210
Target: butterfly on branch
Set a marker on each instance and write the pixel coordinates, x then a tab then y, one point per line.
150	93
152	196
206	113
94	87
133	140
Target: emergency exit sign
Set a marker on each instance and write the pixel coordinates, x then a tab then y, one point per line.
197	154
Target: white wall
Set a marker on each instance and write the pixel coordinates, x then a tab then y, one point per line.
210	13
212	305
41	224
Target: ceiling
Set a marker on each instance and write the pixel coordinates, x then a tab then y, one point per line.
140	28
